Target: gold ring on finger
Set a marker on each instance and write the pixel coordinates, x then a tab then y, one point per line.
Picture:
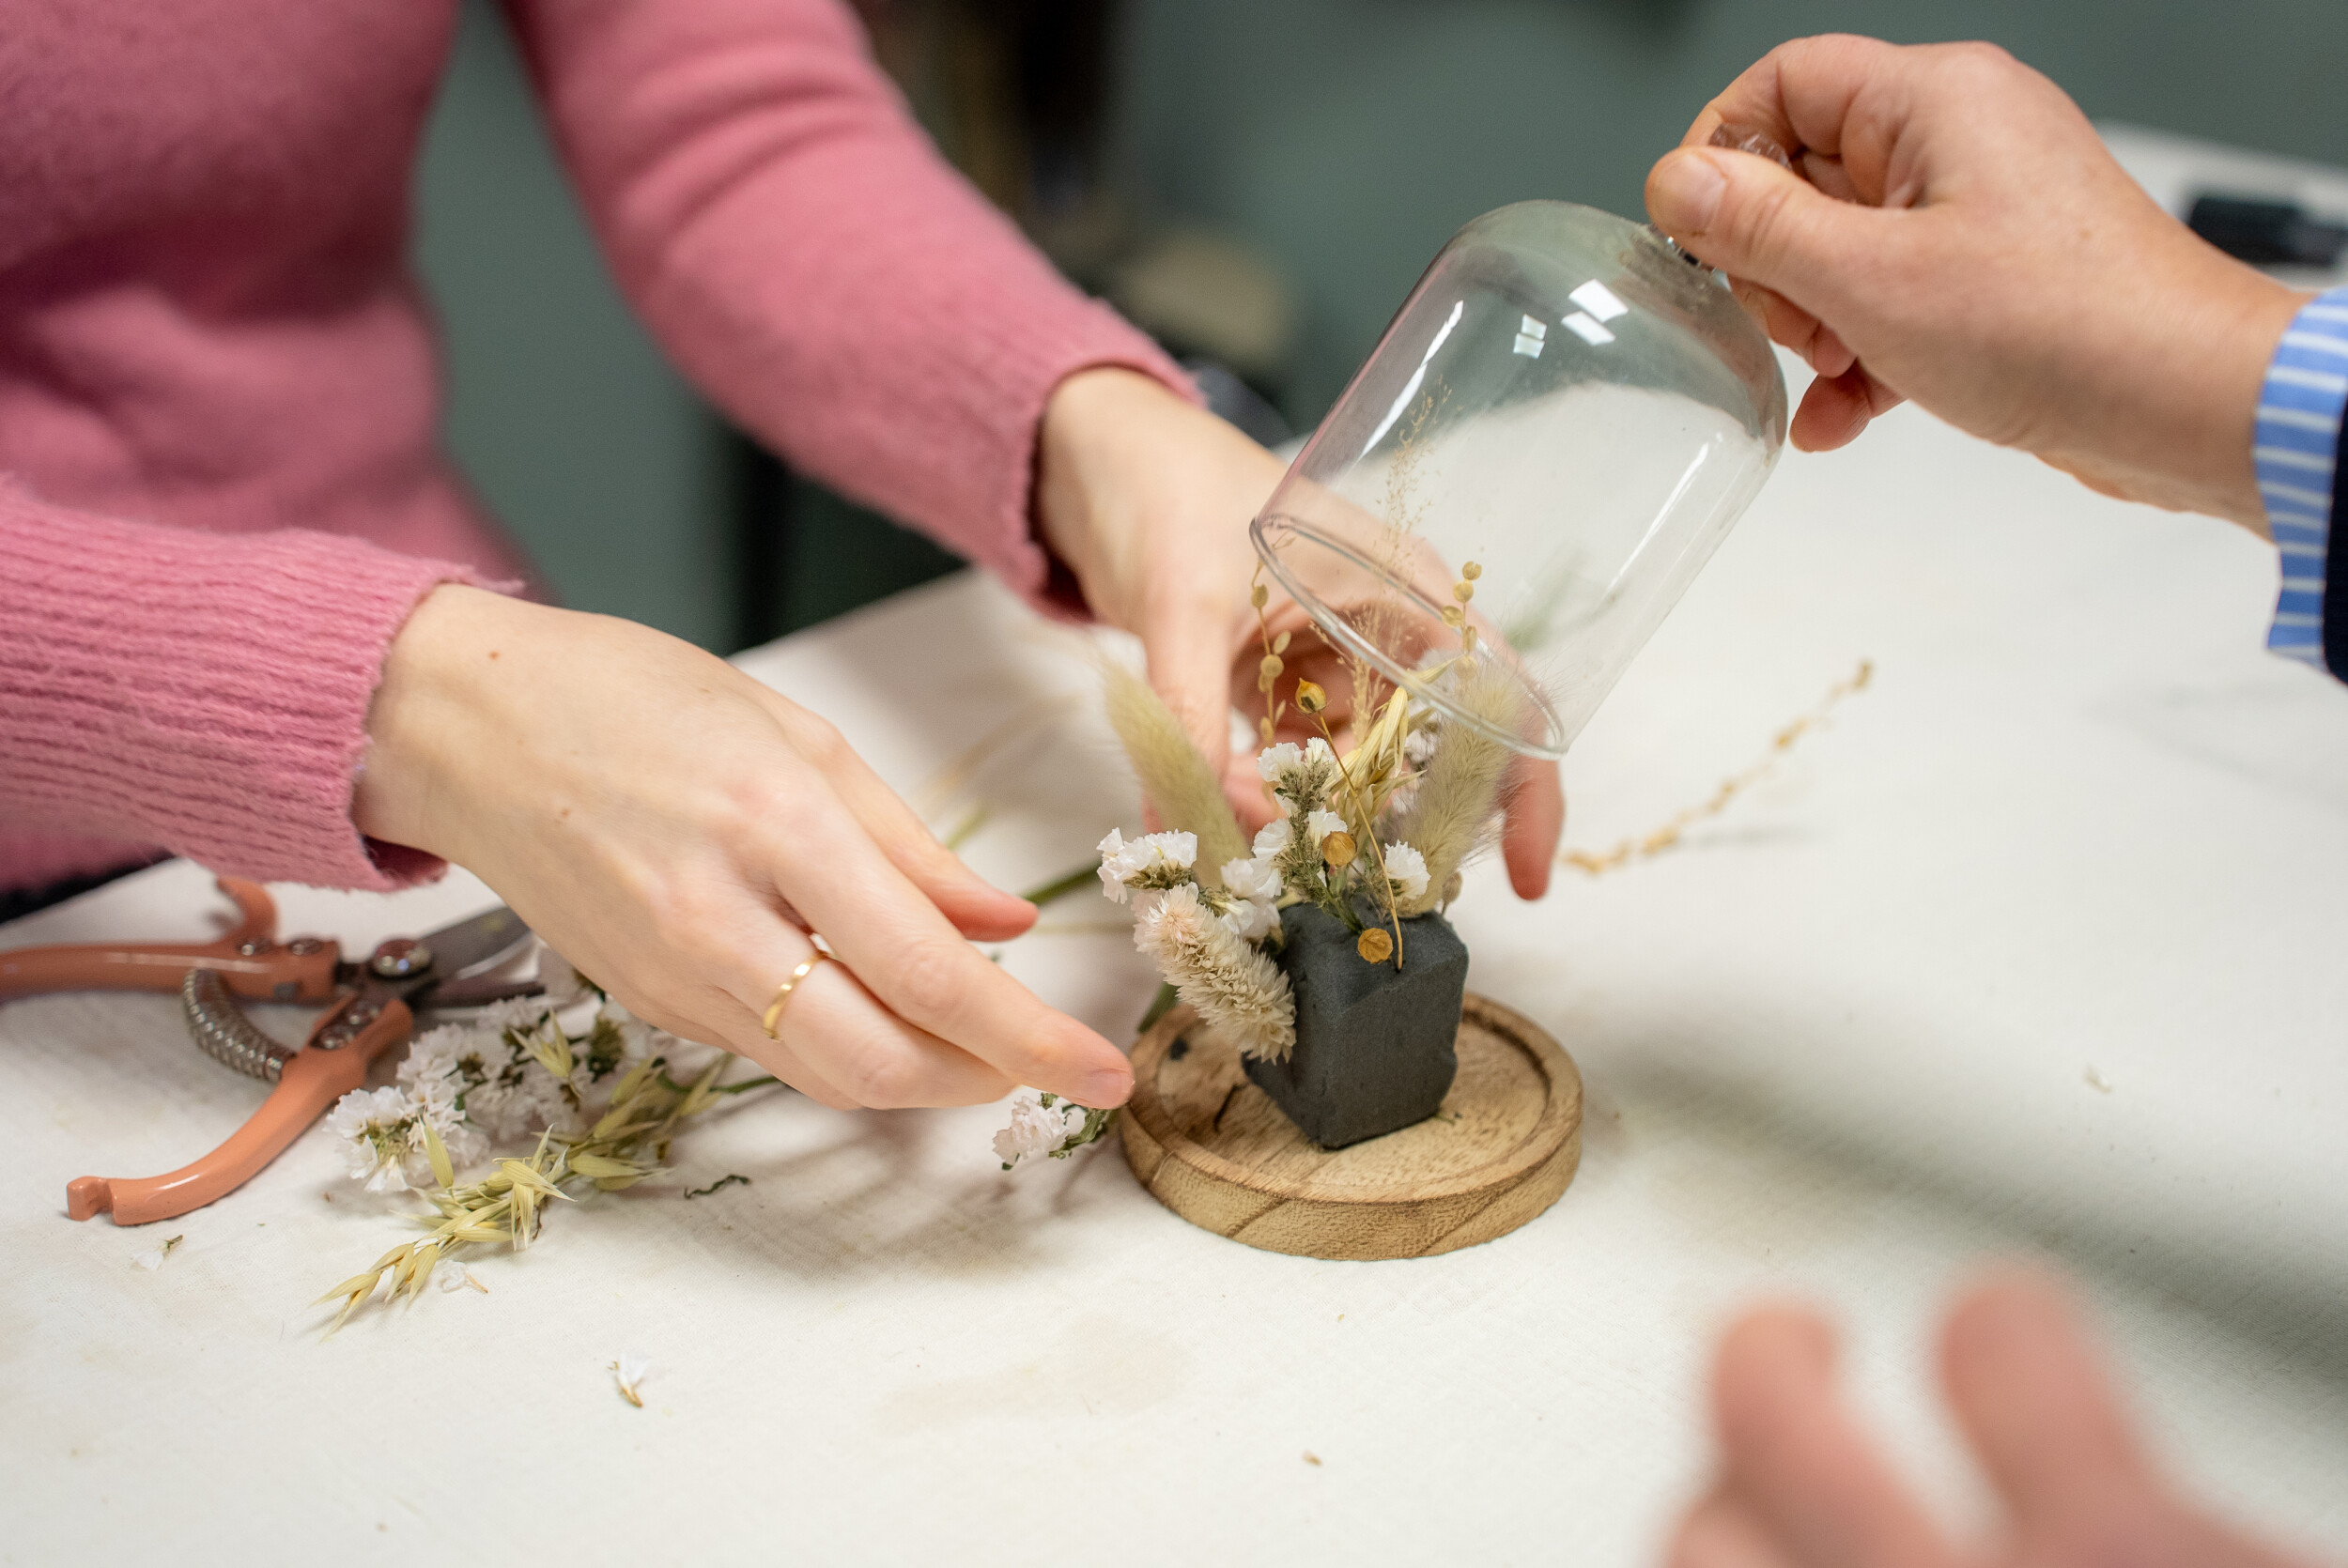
772	1022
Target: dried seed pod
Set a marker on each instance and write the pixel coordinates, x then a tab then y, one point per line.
1375	946
1270	666
1310	698
1338	850
1463	591
1280	643
1470	571
1262	596
1454	616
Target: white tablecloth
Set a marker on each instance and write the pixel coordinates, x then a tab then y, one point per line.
2036	951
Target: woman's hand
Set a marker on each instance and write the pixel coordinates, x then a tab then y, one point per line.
674	828
1800	1483
1957	234
1148	501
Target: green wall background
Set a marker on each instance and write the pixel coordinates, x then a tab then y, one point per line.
1345	138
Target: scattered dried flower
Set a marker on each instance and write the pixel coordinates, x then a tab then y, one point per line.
631	1369
153	1257
1045	1127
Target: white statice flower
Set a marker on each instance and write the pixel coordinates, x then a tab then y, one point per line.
1299	774
1235	988
1250	919
1252	878
376	1127
1254	887
564	985
1274	762
638	1038
1037	1130
1322	824
1273	837
521	1014
1156	859
1407	869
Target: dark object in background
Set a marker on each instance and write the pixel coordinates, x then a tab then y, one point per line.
2266	233
1236	401
1376	1047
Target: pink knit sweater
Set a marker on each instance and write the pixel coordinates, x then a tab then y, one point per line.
220	493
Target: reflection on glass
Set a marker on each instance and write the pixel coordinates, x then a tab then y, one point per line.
1558	428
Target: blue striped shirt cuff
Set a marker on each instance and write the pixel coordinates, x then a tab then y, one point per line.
2298	442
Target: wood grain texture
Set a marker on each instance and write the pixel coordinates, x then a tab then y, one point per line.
1213	1148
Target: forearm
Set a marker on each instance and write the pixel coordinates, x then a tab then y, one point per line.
807	257
204	692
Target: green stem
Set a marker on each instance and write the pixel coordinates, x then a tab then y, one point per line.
1061	887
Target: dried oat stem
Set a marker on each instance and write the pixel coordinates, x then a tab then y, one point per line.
1668	835
626	1143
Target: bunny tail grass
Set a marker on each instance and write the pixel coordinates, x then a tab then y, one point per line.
1180	786
1452	816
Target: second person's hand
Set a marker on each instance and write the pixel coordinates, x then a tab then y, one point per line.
1958	235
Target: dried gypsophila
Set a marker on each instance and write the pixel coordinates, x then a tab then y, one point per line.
1046	1127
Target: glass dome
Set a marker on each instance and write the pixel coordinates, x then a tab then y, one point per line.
1561	425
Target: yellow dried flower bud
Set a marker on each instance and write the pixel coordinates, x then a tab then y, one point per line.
1270	666
1338	850
1310	698
1263	727
1463	591
1467	640
1470	571
1280	643
1260	597
1375	946
1263	682
1454	616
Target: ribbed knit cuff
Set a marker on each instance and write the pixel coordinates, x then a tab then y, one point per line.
207	693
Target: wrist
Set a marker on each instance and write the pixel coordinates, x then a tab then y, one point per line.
407	788
2183	407
1094	425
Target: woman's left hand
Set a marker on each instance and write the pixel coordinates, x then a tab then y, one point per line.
1147	499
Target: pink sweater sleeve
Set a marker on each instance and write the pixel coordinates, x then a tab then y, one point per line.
201	692
803	253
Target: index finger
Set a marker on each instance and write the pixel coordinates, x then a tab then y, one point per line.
907	954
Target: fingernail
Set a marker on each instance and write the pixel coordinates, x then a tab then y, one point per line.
1107	1087
1686	194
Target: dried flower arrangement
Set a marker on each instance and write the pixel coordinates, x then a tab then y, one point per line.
594	1085
1373	826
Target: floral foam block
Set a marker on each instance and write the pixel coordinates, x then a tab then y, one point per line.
1374	1045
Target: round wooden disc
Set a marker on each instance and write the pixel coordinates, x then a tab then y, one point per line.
1213	1148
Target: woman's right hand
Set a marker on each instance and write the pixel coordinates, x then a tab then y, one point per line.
1957	234
667	824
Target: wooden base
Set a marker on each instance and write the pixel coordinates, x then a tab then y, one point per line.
1211	1146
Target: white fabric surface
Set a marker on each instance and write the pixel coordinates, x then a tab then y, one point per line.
1847	1043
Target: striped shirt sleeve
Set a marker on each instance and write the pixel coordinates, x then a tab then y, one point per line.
2298	447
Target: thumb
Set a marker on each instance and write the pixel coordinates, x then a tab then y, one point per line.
1762	224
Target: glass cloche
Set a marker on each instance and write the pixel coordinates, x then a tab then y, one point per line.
1561	425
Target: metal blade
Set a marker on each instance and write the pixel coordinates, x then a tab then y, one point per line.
483	942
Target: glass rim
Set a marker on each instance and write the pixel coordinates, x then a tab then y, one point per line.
1341	633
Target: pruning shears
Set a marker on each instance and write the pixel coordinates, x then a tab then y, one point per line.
373	1006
